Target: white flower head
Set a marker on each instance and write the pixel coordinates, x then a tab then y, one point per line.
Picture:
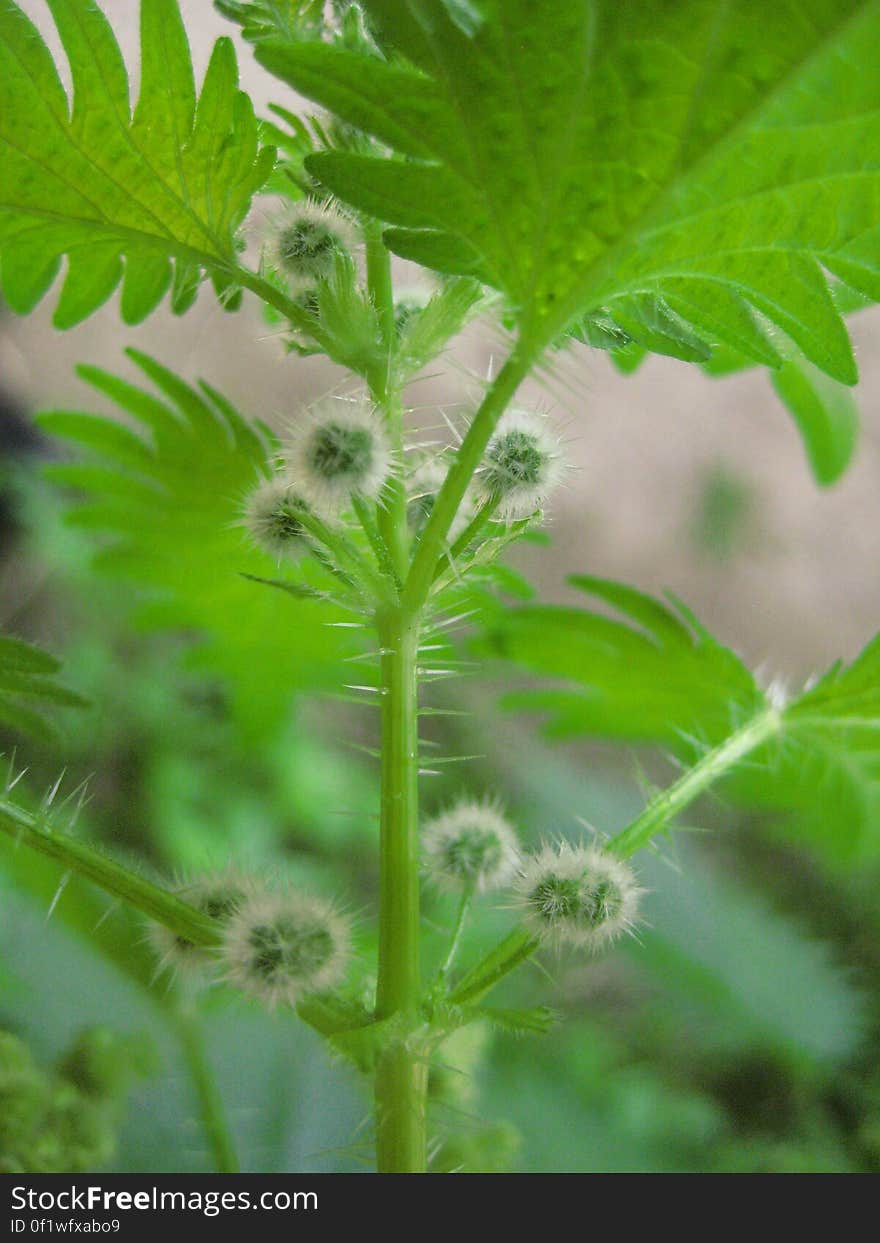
306	240
279	947
218	895
522	464
470	845
272	519
423	483
338	452
577	895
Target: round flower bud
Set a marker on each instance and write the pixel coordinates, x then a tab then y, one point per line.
307	240
522	465
216	895
339	452
272	521
280	946
470	846
579	895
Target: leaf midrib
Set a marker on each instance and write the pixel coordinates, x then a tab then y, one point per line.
65	128
594	275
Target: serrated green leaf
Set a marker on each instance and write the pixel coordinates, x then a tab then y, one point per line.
535	1021
166	186
600	331
570	155
654	678
721	315
662	681
261	19
27	683
650	322
166	497
825	414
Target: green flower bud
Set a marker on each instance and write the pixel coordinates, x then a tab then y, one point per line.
272	519
470	846
217	895
522	465
280	947
339	452
580	895
306	241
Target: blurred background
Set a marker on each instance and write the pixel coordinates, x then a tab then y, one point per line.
740	1032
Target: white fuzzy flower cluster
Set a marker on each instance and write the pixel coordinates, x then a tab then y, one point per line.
470	847
522	465
218	895
276	945
272	519
577	895
339	452
305	241
282	946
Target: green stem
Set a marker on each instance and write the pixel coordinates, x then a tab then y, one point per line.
384	391
334	541
480	519
468	458
491	970
280	301
401	1075
36	831
381	552
213	1114
392	508
461	919
666	805
401	1091
380	286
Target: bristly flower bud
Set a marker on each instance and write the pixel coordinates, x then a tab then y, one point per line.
281	946
339	452
470	846
219	896
271	518
579	895
522	465
307	240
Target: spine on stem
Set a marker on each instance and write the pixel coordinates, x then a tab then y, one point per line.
401	1075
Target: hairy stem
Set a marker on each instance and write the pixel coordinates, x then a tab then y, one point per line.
464	907
401	1092
516	948
402	1070
366	517
666	805
480	519
276	298
385	393
470	453
401	1075
39	833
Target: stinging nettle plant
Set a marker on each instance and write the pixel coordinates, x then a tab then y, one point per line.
697	179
